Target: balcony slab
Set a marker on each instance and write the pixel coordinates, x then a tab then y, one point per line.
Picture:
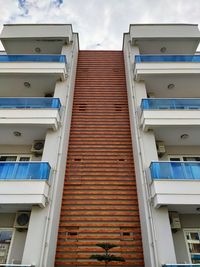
172	192
57	69
151	119
141	70
47	118
24	192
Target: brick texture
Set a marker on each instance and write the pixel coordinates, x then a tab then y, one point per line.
99	199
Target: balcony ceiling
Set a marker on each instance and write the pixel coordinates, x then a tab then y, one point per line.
171	135
11	208
13	85
28	46
173	46
185	209
186	85
29	133
25	38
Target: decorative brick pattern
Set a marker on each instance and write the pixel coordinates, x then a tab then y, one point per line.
99	198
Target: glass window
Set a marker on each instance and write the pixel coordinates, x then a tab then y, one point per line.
8	158
193	244
184	158
5	240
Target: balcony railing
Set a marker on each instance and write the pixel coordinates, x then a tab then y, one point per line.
181	265
33	58
166	103
167	58
24	170
28	103
175	170
16	265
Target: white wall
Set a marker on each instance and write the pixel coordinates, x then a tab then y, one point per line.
187	221
164	31
180	150
156	231
43	226
18	149
16	252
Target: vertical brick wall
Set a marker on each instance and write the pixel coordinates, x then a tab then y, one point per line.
99	198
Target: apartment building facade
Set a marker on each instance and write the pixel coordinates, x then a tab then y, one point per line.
37	79
149	208
162	82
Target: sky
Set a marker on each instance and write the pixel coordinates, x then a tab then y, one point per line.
100	23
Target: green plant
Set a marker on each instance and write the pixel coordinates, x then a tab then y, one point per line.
106	257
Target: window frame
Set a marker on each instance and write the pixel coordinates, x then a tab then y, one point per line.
11	241
191	230
18	156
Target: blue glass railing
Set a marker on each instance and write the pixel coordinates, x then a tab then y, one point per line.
166	103
16	265
33	58
167	58
22	170
28	103
181	265
175	170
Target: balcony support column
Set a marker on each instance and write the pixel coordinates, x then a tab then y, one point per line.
42	222
158	218
140	92
163	236
35	236
61	92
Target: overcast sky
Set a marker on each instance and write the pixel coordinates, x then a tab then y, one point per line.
100	23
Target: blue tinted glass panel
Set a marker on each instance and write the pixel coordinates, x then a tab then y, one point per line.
24	170
167	103
26	103
175	170
33	58
167	58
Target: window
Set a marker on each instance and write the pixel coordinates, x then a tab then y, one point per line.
184	158
15	157
5	241
192	237
126	233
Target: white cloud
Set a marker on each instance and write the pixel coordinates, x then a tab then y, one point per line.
100	23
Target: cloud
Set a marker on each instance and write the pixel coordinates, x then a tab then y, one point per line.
23	6
57	3
100	23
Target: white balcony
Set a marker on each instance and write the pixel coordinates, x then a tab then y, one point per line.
24	193
149	65
171	192
24	183
175	184
54	65
165	38
43	112
35	38
48	119
169	112
152	119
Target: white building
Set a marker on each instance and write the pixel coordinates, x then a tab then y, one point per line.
163	77
36	92
37	77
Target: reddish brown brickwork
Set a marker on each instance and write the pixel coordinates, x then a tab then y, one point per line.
99	199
